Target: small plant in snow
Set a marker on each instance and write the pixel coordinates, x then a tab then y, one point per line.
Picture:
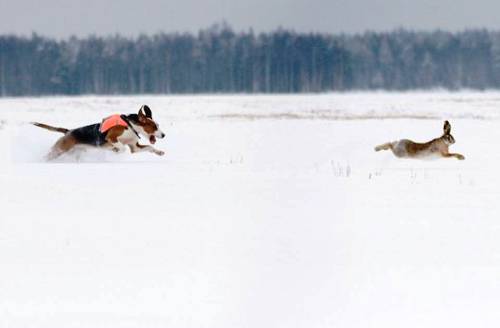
340	170
237	160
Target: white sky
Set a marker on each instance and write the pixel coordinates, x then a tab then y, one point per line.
61	18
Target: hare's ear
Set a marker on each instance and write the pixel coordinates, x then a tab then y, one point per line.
447	127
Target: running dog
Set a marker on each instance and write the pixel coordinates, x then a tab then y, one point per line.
114	133
408	149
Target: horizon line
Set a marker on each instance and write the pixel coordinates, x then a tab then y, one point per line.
217	28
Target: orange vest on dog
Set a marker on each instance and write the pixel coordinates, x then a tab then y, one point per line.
111	122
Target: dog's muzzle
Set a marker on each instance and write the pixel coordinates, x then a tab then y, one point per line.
158	134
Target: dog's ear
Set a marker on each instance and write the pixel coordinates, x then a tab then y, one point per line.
447	127
147	111
142	116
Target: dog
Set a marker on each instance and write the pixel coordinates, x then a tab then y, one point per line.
408	149
114	133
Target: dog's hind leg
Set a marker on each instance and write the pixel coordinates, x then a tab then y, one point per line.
54	153
62	146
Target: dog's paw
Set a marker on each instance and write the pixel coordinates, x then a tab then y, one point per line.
160	152
460	157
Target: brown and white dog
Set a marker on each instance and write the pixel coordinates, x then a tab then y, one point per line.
437	147
116	137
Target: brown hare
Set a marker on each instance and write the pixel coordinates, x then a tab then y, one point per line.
437	147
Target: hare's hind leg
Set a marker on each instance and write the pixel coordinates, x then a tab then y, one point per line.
385	146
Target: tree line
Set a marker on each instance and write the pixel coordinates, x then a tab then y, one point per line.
219	60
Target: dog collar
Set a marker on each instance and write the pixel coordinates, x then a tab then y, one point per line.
124	117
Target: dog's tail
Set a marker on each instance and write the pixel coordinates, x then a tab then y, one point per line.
50	128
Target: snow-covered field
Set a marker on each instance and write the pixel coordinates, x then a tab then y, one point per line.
266	211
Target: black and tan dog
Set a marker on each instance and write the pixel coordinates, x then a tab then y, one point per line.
115	133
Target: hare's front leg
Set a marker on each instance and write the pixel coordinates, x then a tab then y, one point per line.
459	156
456	155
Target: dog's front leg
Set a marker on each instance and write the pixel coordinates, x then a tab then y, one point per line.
136	148
117	147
